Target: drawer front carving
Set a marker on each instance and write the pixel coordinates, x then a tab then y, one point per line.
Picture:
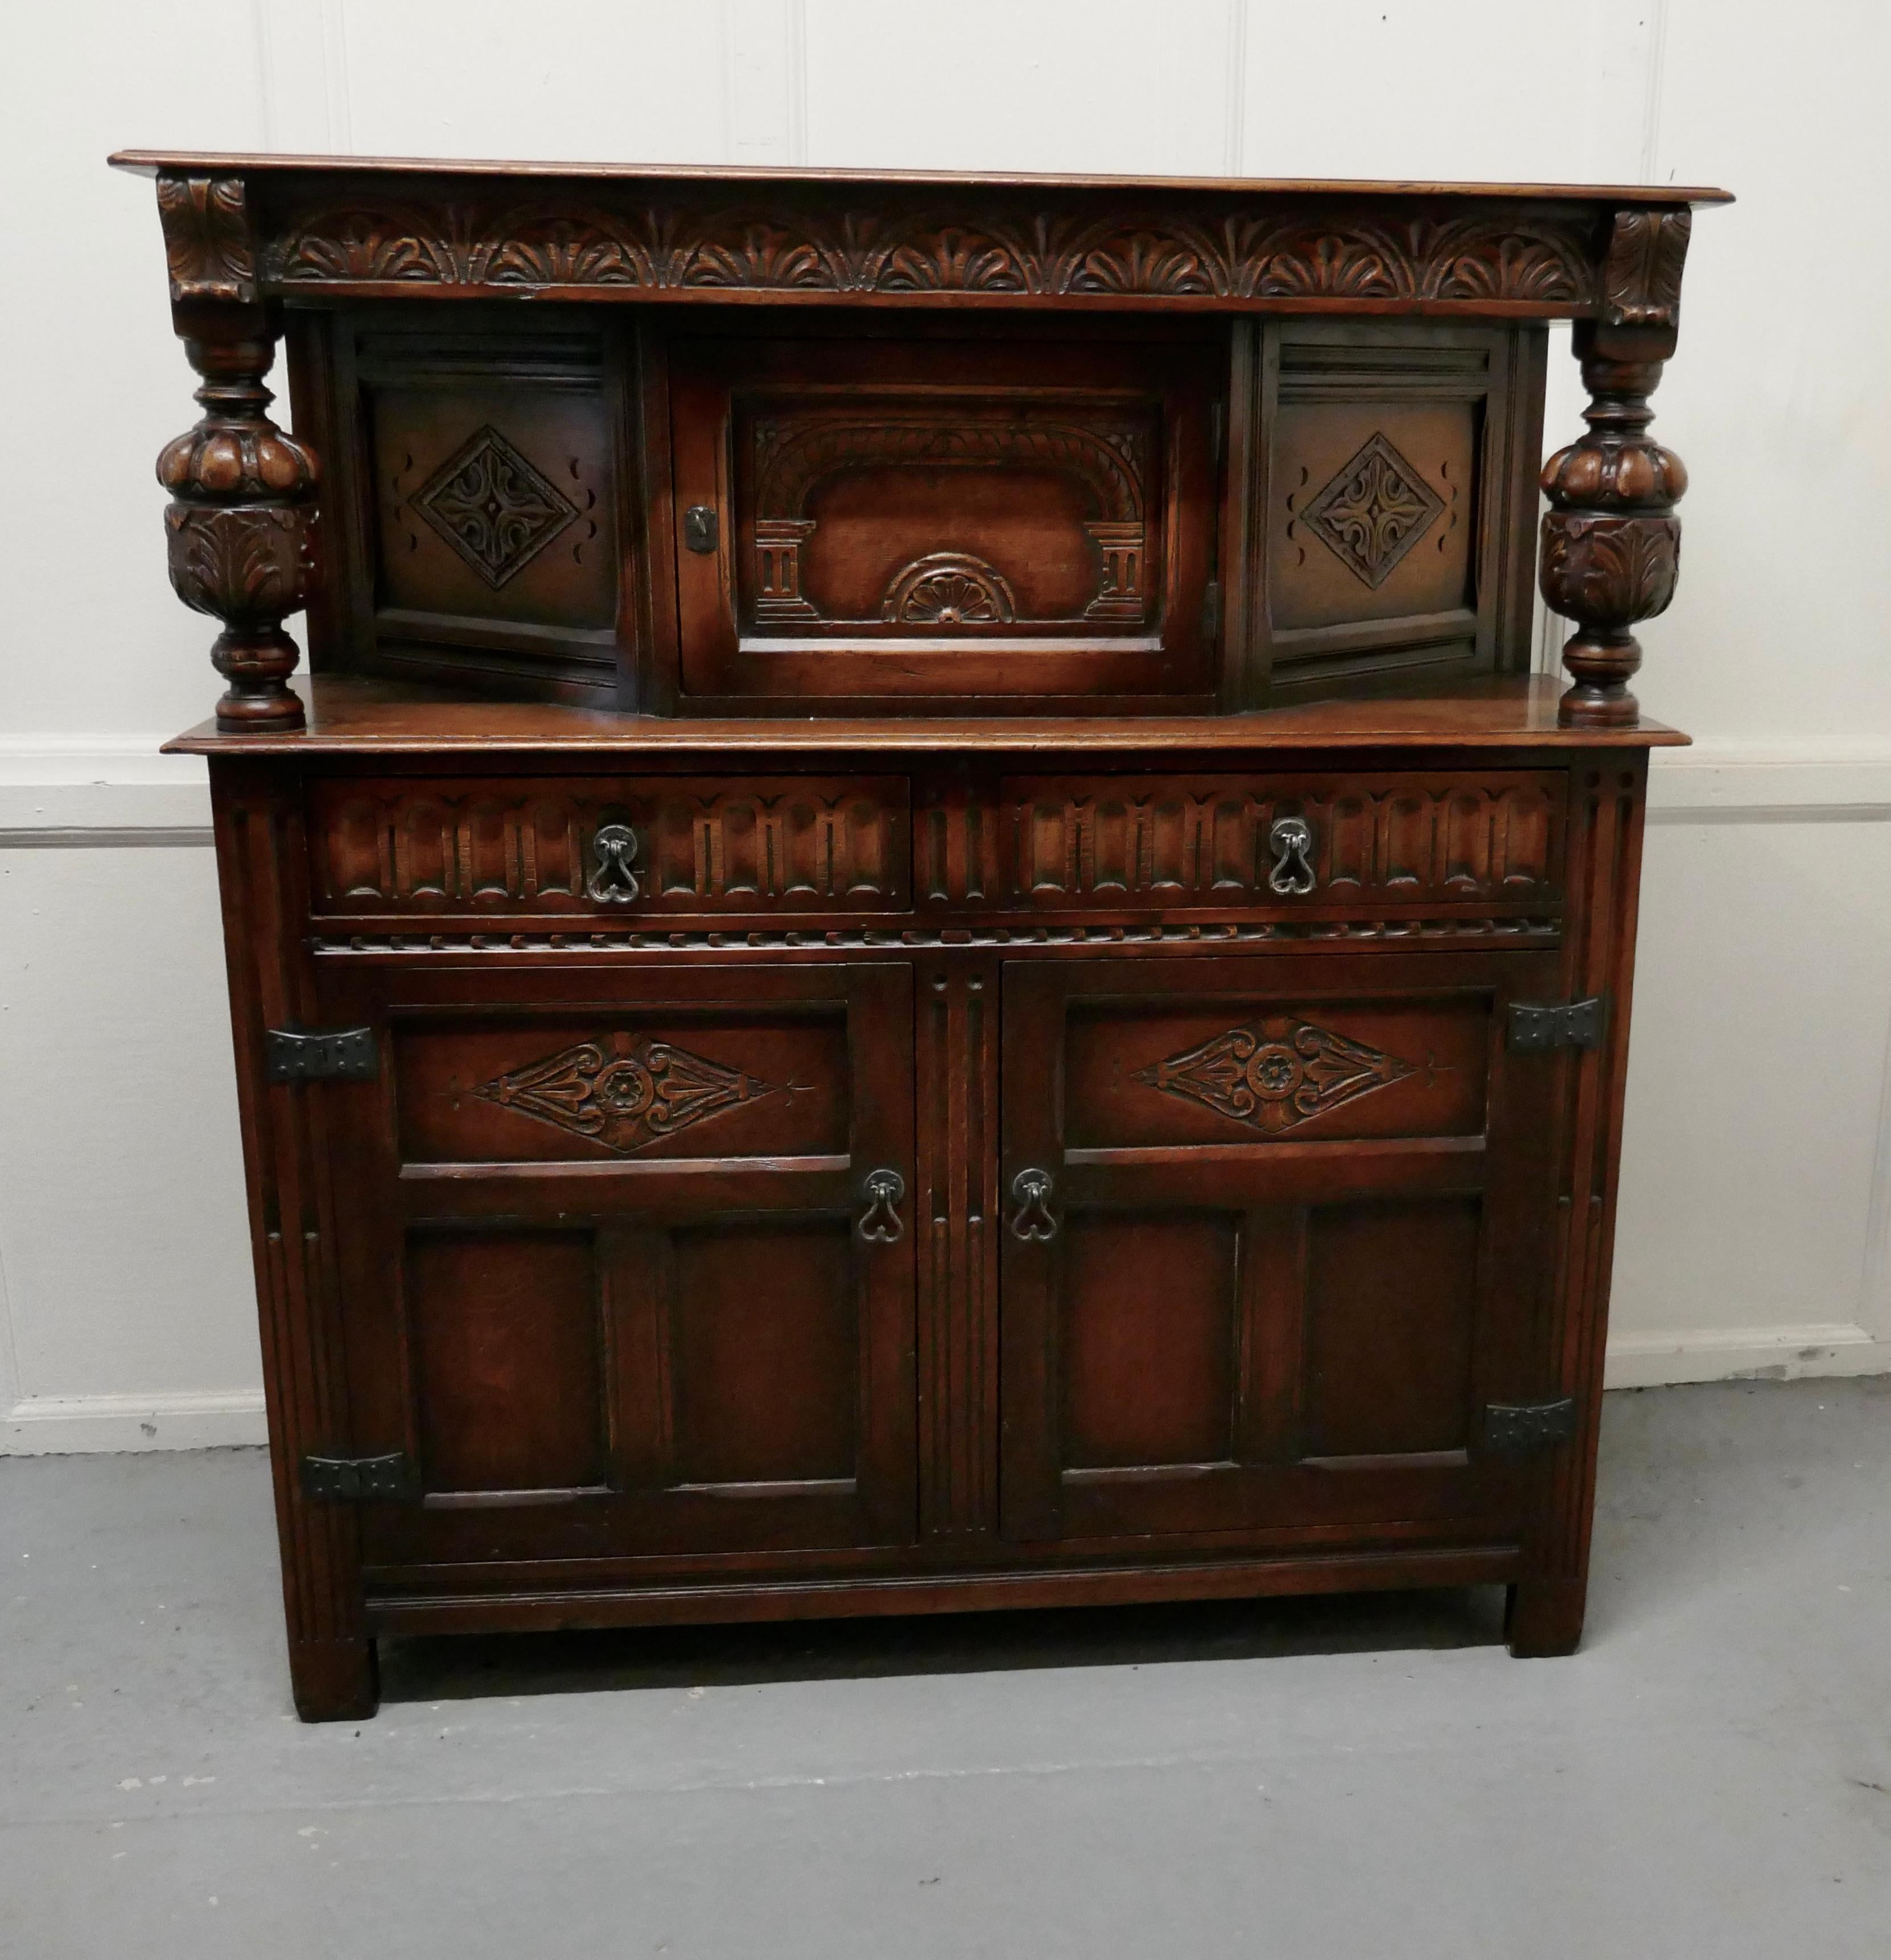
683	845
1211	842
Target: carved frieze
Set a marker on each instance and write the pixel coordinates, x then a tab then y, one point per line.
992	247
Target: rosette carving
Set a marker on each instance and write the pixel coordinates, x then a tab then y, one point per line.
1611	546
240	529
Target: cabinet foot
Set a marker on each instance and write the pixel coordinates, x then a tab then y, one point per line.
334	1681
1544	1617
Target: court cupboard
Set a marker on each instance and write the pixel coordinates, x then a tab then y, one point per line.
919	940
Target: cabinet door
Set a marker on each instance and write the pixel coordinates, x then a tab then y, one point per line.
1275	1232
627	1266
1003	516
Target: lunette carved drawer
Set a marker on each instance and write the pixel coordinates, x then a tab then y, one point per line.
922	941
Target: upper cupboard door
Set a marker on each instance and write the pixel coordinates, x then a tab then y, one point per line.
629	1265
1275	1234
1005	517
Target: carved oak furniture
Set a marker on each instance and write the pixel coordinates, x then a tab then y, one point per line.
921	942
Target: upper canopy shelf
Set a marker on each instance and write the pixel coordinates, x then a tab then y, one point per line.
239	228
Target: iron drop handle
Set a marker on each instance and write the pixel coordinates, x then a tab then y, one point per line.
1292	840
614	881
879	1222
1033	1221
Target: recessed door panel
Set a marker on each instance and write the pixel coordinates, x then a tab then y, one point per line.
1004	516
1266	1278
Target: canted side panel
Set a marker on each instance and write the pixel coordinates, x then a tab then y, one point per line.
506	1333
1390	503
699	845
486	534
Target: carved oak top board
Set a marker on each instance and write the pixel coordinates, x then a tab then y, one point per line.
241	227
776	443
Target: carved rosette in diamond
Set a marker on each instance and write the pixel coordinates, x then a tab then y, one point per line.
622	1094
1275	1073
1373	511
493	507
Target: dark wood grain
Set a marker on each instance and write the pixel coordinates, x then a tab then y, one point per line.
930	792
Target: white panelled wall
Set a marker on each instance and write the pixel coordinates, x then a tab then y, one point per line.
1755	1222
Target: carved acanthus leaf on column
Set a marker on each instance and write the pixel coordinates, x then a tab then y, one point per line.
1611	546
241	526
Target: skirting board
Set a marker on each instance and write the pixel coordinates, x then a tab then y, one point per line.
65	1425
1788	1353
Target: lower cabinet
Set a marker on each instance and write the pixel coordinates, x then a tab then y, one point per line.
628	1264
628	1269
1276	1236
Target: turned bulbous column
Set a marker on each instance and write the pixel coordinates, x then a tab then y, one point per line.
1612	545
241	528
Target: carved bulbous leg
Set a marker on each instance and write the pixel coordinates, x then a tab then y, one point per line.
1611	545
241	529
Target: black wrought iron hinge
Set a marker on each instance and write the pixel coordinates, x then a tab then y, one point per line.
1537	1024
1211	612
332	1055
359	1480
1521	1429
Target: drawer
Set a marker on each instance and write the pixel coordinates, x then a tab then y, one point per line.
606	847
1330	845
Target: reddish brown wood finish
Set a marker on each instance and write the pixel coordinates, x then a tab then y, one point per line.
946	1105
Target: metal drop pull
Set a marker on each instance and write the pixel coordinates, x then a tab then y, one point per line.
1032	1221
613	881
700	532
879	1222
1291	839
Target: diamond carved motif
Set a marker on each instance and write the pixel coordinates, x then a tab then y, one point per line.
493	507
1373	511
624	1095
1274	1074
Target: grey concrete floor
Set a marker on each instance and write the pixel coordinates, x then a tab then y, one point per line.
1375	1778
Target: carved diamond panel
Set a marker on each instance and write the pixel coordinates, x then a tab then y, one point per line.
1275	1073
624	1095
493	507
1374	511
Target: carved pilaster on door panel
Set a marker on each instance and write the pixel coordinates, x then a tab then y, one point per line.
241	522
1611	546
957	1063
259	850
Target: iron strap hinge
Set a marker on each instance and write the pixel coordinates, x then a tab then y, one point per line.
1521	1429
359	1480
334	1054
1540	1024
